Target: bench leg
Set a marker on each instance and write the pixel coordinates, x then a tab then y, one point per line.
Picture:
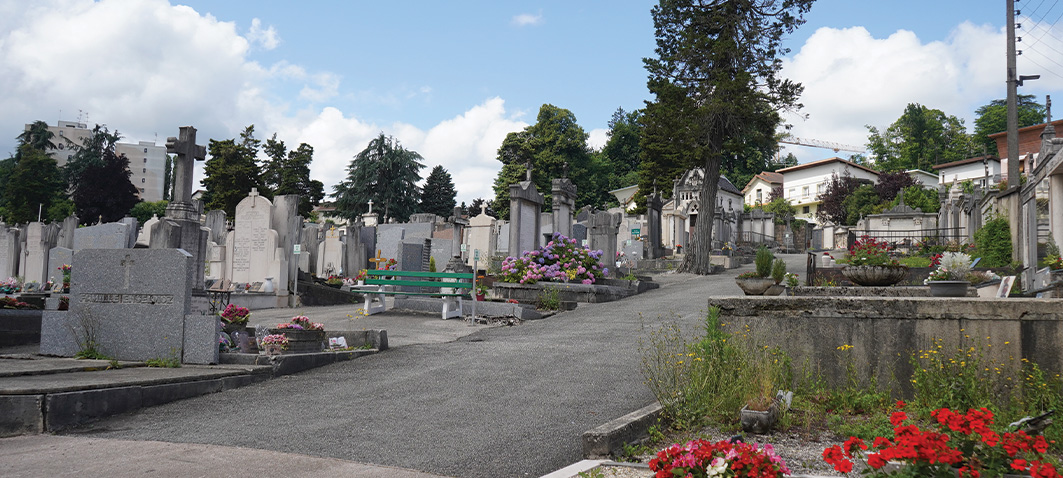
375	303
451	307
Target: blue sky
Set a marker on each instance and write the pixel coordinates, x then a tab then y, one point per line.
450	79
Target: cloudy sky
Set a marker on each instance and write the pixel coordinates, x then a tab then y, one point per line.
450	79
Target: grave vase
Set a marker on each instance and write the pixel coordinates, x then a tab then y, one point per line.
948	288
268	286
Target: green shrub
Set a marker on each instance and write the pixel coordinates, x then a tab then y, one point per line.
778	270
993	242
763	261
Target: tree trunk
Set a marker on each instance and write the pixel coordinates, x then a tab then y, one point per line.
697	260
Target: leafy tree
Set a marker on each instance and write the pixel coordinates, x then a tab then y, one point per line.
993	242
552	142
781	163
37	137
917	196
993	118
103	191
90	153
231	172
889	184
143	210
288	172
832	202
863	201
782	209
33	185
385	173
438	195
919	139
622	151
717	71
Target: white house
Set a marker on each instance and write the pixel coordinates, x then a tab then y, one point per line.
804	183
923	178
758	190
983	171
626	197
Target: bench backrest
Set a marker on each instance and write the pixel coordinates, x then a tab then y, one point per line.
376	277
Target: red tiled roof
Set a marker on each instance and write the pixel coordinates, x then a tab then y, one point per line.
966	161
826	161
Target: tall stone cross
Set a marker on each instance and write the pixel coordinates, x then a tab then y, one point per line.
564	170
370	206
528	169
187	152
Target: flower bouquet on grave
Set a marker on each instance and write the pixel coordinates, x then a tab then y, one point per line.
703	458
65	268
274	344
10	285
234	318
301	322
1053	262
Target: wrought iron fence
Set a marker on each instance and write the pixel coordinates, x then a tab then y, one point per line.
906	241
750	238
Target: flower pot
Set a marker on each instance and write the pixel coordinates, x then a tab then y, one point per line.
757	421
870	276
824	261
948	288
481	297
303	341
231	327
755	285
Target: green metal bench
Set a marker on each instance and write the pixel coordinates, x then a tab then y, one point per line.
451	286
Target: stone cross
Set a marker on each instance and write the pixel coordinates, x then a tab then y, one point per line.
528	169
187	152
370	206
564	170
127	263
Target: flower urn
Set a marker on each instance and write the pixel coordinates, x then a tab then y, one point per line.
755	285
869	276
948	288
759	421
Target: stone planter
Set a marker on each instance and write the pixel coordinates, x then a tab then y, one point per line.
756	421
233	327
303	341
775	289
755	285
875	275
948	288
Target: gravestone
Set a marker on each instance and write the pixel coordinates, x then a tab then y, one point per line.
425	217
58	257
180	228
136	304
584	214
442	250
289	227
388	238
330	255
144	237
479	237
525	203
633	251
254	242
216	221
311	237
66	232
9	251
131	236
357	255
579	233
40	238
564	204
410	256
502	238
653	223
113	235
603	229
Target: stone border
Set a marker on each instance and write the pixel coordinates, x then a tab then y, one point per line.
602	441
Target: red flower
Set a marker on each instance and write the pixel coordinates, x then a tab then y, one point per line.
896	418
1019	464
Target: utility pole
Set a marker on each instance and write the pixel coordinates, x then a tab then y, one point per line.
1011	195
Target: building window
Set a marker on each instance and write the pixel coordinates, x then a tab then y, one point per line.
145	170
145	160
793	192
143	180
804	210
820	188
69	156
760	196
145	150
804	191
60	132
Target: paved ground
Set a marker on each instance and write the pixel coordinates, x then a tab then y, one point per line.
499	401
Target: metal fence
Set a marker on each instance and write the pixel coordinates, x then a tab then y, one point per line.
750	238
906	241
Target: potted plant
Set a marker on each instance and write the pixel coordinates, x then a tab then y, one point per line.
303	335
65	268
759	280
234	318
869	263
950	277
334	281
722	458
481	289
360	278
960	444
792	281
778	274
274	344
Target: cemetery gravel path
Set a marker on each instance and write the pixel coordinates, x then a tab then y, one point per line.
501	402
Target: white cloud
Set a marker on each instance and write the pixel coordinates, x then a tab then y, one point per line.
326	86
528	19
267	38
852	79
597	138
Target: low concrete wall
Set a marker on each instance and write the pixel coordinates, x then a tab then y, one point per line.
571	292
20	327
885	331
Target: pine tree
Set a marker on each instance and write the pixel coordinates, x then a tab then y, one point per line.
385	173
104	192
438	195
288	172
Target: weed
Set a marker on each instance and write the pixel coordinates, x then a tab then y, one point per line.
550	299
593	473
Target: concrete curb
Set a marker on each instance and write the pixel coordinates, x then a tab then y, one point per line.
58	407
603	441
